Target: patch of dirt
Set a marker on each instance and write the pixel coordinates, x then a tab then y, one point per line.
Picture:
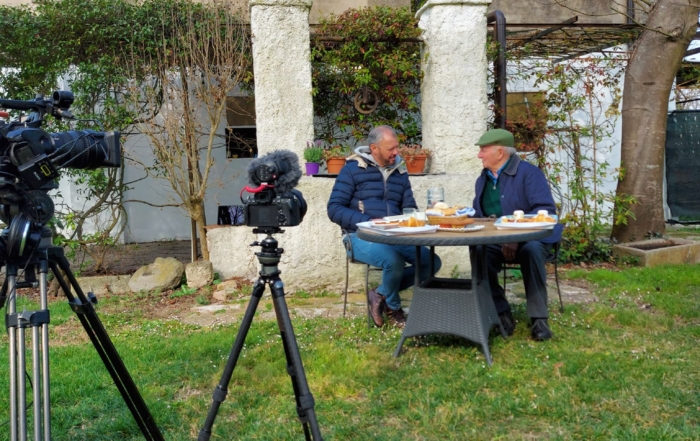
125	259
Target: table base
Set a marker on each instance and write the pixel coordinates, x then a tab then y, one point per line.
451	306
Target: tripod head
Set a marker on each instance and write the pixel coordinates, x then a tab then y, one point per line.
270	255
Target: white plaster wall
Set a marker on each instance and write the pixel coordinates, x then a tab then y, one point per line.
454	103
281	62
147	223
314	257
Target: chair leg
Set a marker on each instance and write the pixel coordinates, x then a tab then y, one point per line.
347	274
556	277
370	322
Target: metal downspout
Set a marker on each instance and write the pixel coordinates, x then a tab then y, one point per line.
499	68
630	11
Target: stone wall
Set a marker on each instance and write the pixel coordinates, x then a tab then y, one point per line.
314	256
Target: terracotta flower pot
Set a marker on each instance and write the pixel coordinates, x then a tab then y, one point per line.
416	164
334	165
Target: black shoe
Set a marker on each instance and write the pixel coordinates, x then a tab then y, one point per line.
396	317
507	322
376	307
540	330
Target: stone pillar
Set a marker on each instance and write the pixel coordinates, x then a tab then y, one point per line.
454	103
282	66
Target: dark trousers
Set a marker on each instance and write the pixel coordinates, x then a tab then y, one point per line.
531	257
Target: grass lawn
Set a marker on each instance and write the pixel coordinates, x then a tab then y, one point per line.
624	368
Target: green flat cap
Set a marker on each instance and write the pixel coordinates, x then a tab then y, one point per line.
497	137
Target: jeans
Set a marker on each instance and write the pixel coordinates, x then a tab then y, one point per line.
392	259
530	256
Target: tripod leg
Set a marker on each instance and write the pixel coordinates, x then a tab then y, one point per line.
12	335
305	401
222	388
43	291
85	311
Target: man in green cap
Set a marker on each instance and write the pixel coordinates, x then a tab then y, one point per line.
507	184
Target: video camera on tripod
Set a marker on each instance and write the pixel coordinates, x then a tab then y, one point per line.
274	203
29	162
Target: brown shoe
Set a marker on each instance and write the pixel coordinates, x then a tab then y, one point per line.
396	317
376	307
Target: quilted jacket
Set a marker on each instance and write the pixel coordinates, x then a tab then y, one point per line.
360	192
523	187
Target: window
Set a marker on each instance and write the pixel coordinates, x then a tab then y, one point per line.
241	142
241	139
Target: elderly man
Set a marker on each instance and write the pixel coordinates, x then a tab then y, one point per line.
505	185
373	184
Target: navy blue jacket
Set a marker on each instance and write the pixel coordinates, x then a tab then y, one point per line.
360	193
522	187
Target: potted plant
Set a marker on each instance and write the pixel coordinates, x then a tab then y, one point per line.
335	158
313	155
414	156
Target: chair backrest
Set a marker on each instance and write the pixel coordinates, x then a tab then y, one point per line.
347	243
558	196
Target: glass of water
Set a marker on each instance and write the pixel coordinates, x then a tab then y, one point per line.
435	195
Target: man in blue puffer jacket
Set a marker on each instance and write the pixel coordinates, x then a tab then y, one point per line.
507	184
373	184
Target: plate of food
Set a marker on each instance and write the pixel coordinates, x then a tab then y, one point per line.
398	230
461	229
540	221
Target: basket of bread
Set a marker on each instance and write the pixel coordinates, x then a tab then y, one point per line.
447	217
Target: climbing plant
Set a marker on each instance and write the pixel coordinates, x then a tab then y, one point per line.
566	131
87	44
367	61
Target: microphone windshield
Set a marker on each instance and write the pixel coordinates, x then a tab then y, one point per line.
279	168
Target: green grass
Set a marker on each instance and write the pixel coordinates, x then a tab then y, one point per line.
624	368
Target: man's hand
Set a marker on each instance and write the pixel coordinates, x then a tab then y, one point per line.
509	250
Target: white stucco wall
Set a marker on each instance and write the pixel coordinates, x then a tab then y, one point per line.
281	62
454	103
314	257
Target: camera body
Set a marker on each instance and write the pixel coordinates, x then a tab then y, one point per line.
266	209
274	201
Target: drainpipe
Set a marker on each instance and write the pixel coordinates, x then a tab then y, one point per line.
630	11
499	68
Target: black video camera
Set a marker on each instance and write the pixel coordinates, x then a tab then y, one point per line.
30	158
274	201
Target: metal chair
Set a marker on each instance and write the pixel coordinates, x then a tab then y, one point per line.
350	258
553	256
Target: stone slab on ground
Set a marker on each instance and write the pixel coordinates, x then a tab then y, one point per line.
100	285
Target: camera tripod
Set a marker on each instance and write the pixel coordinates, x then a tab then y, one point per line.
17	323
269	257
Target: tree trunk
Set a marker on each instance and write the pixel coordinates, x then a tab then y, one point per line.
201	219
654	62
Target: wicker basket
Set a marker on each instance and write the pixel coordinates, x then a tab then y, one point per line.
450	220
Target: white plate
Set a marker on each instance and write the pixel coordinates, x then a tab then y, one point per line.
462	230
367	226
384	226
500	225
398	217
